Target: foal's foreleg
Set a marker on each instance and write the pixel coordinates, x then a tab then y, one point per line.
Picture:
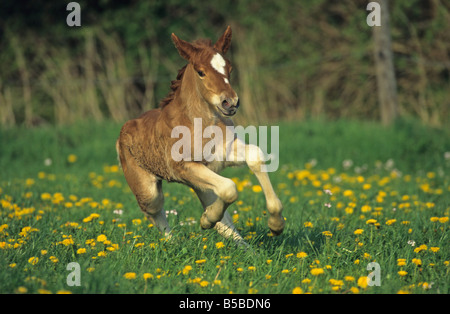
254	157
205	180
224	227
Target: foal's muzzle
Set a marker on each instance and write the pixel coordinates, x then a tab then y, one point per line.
229	106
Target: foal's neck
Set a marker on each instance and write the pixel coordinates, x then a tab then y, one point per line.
192	104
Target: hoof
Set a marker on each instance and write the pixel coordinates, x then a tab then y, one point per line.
205	223
276	233
276	225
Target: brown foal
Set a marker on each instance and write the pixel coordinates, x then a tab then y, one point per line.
145	146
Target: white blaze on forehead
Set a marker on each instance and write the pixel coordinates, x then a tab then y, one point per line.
226	80
218	63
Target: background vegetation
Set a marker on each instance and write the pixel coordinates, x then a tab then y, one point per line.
293	59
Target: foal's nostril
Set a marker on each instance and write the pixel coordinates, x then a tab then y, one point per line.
226	104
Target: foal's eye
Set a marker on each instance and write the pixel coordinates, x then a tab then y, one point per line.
201	73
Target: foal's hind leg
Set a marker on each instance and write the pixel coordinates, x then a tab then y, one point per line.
148	191
151	203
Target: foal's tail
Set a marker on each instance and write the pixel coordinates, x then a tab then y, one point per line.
118	153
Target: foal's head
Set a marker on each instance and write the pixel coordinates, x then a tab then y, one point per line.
212	71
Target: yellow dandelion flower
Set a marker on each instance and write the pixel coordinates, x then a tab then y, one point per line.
101	238
200	261
256	188
402	273
362	282
68	204
401	262
72	158
391	222
3	227
136	222
220	245
129	275
301	255
421	248
46	196
67	242
434	249
417	261
186	269
358	231
113	247
54	259
317	271
336	282
297	290
33	260
348	193
147	276
349	210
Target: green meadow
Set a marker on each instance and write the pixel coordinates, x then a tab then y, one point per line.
353	192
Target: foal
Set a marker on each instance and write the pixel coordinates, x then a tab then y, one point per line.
202	90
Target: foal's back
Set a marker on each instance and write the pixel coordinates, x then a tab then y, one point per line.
143	138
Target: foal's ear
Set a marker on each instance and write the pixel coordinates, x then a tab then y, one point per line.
224	42
185	49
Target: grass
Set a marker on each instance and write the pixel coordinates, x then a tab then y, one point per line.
353	193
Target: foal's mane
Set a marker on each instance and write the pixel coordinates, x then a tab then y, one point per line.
175	84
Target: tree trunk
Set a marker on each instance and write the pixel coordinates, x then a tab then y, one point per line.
386	84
